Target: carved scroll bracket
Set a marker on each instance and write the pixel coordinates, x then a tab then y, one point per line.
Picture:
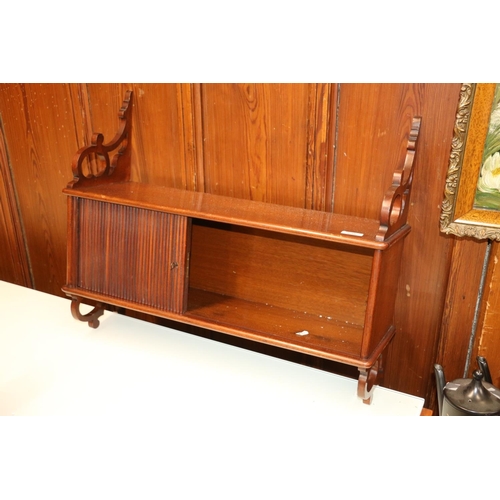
367	380
92	318
394	212
100	150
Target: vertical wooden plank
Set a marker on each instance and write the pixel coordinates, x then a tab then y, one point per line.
164	139
235	134
104	101
14	264
467	260
374	120
487	338
191	123
256	140
320	146
81	106
425	268
40	133
159	135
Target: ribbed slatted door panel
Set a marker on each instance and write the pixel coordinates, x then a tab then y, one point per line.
133	254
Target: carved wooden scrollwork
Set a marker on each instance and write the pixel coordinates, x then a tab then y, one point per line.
92	318
456	156
121	159
367	379
394	212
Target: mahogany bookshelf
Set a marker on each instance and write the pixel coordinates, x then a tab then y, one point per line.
314	282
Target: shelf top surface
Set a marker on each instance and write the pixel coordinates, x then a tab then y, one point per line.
292	220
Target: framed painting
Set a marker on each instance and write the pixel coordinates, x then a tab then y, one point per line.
471	206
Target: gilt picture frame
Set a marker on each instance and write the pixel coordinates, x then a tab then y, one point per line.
471	205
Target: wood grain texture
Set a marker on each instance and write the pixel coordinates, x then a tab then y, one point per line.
14	264
266	142
248	257
373	124
381	299
425	269
321	136
274	137
40	132
276	326
132	254
82	115
165	134
467	260
293	273
487	338
284	219
134	257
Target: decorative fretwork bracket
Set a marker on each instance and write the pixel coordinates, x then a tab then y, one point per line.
121	142
394	212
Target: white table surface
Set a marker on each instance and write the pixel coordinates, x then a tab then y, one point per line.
52	364
139	411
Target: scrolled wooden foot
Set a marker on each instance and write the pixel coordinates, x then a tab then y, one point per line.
92	318
366	382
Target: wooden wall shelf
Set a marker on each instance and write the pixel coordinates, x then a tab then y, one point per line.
314	282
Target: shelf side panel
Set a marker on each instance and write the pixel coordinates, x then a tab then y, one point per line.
383	289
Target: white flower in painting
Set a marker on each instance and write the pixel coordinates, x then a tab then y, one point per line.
489	181
494	120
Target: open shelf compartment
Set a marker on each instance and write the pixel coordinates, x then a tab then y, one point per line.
288	288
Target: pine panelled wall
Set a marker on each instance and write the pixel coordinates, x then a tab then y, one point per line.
329	147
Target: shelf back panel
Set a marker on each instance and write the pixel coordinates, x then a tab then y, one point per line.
291	272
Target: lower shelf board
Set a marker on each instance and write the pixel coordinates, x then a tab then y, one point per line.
321	336
317	335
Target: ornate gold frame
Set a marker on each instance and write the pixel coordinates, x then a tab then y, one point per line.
458	215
